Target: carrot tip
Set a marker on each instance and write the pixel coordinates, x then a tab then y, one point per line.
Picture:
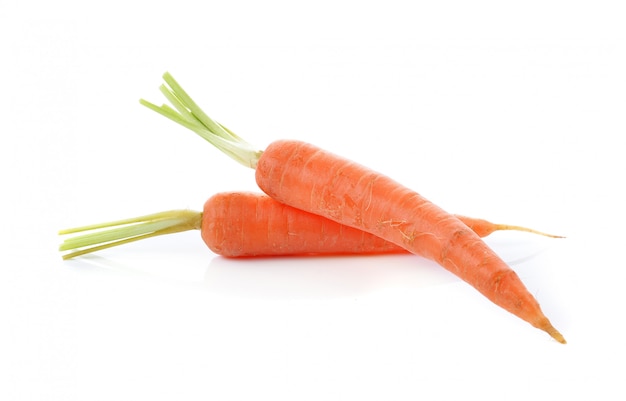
526	229
554	333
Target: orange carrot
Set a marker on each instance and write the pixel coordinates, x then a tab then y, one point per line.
314	180
247	224
244	224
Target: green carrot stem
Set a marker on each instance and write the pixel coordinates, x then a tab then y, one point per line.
188	114
96	237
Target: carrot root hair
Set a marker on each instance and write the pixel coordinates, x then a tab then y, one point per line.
503	227
97	237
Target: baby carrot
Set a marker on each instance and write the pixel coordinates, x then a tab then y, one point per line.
311	179
244	224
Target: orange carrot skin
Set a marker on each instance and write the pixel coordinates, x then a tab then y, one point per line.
240	224
308	178
244	224
481	227
311	179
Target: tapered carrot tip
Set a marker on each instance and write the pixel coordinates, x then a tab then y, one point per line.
502	227
554	333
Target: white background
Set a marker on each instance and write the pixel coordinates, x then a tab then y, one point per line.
511	111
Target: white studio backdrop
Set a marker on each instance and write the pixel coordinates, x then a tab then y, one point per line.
510	112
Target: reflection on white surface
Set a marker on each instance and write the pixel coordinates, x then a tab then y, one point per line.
287	278
319	277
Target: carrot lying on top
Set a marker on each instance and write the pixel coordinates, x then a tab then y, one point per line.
311	179
244	224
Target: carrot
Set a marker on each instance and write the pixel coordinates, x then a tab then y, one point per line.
311	179
244	224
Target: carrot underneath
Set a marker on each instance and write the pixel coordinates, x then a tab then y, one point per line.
245	224
249	224
314	180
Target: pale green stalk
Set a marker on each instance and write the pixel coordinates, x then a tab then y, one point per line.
96	237
188	114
